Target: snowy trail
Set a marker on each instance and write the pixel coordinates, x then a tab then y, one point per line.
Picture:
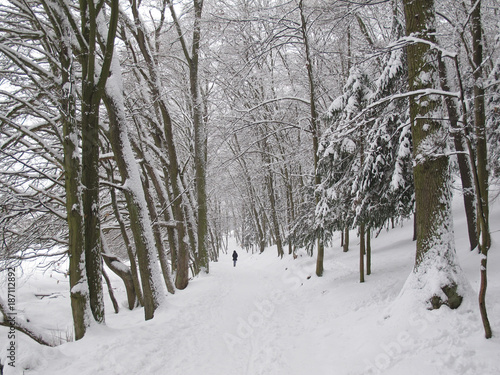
224	323
274	316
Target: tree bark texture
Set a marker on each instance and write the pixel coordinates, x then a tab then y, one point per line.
130	252
182	257
140	221
482	157
463	161
93	84
362	251
74	205
480	116
124	273
368	252
345	248
314	129
435	244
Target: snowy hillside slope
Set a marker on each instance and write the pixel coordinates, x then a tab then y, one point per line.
272	316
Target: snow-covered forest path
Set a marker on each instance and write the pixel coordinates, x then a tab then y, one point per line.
264	316
236	320
274	316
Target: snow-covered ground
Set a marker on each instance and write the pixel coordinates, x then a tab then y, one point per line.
272	316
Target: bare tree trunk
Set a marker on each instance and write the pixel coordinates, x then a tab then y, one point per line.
162	256
200	135
92	92
482	158
480	116
362	251
346	240
140	221
314	128
74	206
130	253
182	257
110	291
368	252
124	272
463	161
163	200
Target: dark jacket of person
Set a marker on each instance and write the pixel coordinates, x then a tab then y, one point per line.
235	255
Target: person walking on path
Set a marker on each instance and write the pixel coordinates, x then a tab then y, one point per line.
235	257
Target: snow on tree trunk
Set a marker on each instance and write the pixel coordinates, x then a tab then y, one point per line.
162	255
23	326
200	146
482	157
463	161
154	83
80	307
436	275
130	251
90	181
200	136
314	128
140	221
94	77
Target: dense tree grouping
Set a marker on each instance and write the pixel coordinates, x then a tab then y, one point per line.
146	133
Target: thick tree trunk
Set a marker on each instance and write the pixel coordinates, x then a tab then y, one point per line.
435	245
162	255
165	197
480	116
90	181
74	206
200	149
200	136
150	173
93	84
